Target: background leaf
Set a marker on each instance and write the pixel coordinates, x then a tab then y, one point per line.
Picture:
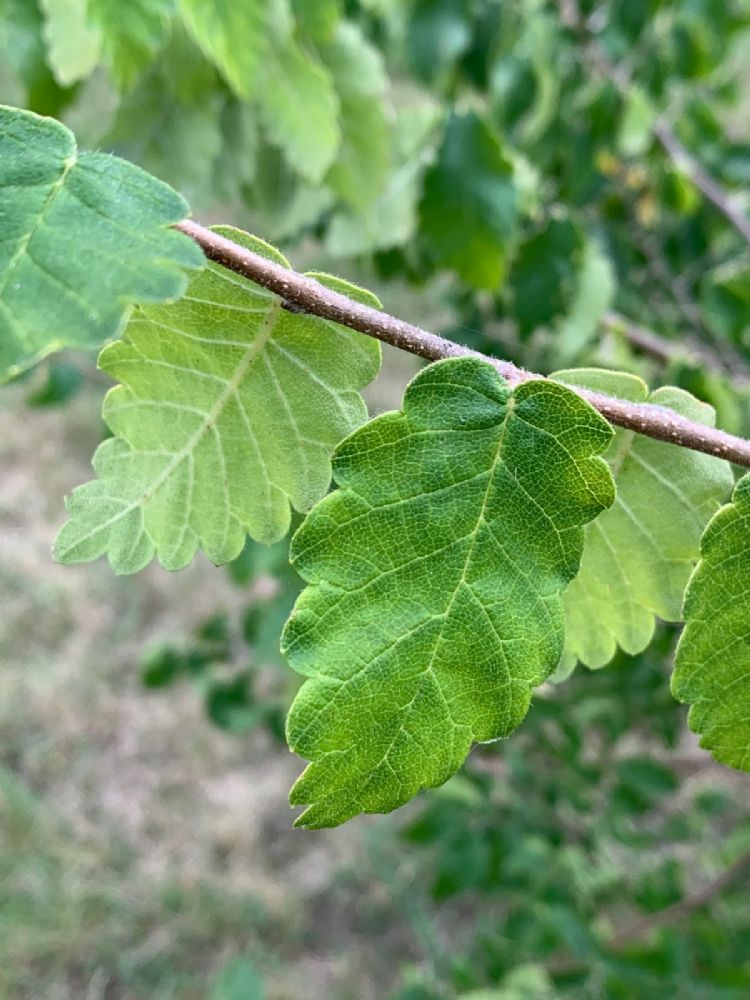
228	410
298	105
436	571
73	43
640	553
232	35
131	34
711	665
468	210
84	236
361	168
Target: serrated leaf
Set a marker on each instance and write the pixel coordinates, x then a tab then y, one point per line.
84	236
73	43
131	33
228	410
468	210
711	664
640	553
435	575
361	168
233	35
299	107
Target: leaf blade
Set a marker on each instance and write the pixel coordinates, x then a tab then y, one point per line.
435	480
84	236
226	414
710	672
640	553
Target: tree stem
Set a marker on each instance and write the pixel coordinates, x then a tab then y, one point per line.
304	293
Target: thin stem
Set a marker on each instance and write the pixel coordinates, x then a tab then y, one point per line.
304	294
705	183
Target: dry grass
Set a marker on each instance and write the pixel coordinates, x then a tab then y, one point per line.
141	847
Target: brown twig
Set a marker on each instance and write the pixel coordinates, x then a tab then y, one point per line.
306	294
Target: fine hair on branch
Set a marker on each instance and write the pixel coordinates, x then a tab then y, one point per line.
303	293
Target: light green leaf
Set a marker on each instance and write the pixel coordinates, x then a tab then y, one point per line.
361	168
468	211
299	107
228	410
637	123
318	19
593	296
391	220
166	144
22	48
131	33
435	576
640	553
711	665
84	235
233	35
73	43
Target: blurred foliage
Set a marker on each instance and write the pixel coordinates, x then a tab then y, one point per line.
236	665
505	159
564	843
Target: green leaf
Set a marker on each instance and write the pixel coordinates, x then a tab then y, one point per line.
131	34
299	107
73	43
227	415
22	48
468	211
391	220
636	127
166	145
596	285
439	34
543	279
361	168
640	553
711	665
435	576
233	36
318	19
239	980
84	236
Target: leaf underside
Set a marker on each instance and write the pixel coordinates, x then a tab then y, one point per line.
227	413
712	663
435	578
639	554
83	236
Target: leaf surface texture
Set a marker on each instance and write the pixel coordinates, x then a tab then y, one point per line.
227	413
83	236
712	665
640	553
435	577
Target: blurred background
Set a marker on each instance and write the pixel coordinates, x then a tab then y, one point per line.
559	183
